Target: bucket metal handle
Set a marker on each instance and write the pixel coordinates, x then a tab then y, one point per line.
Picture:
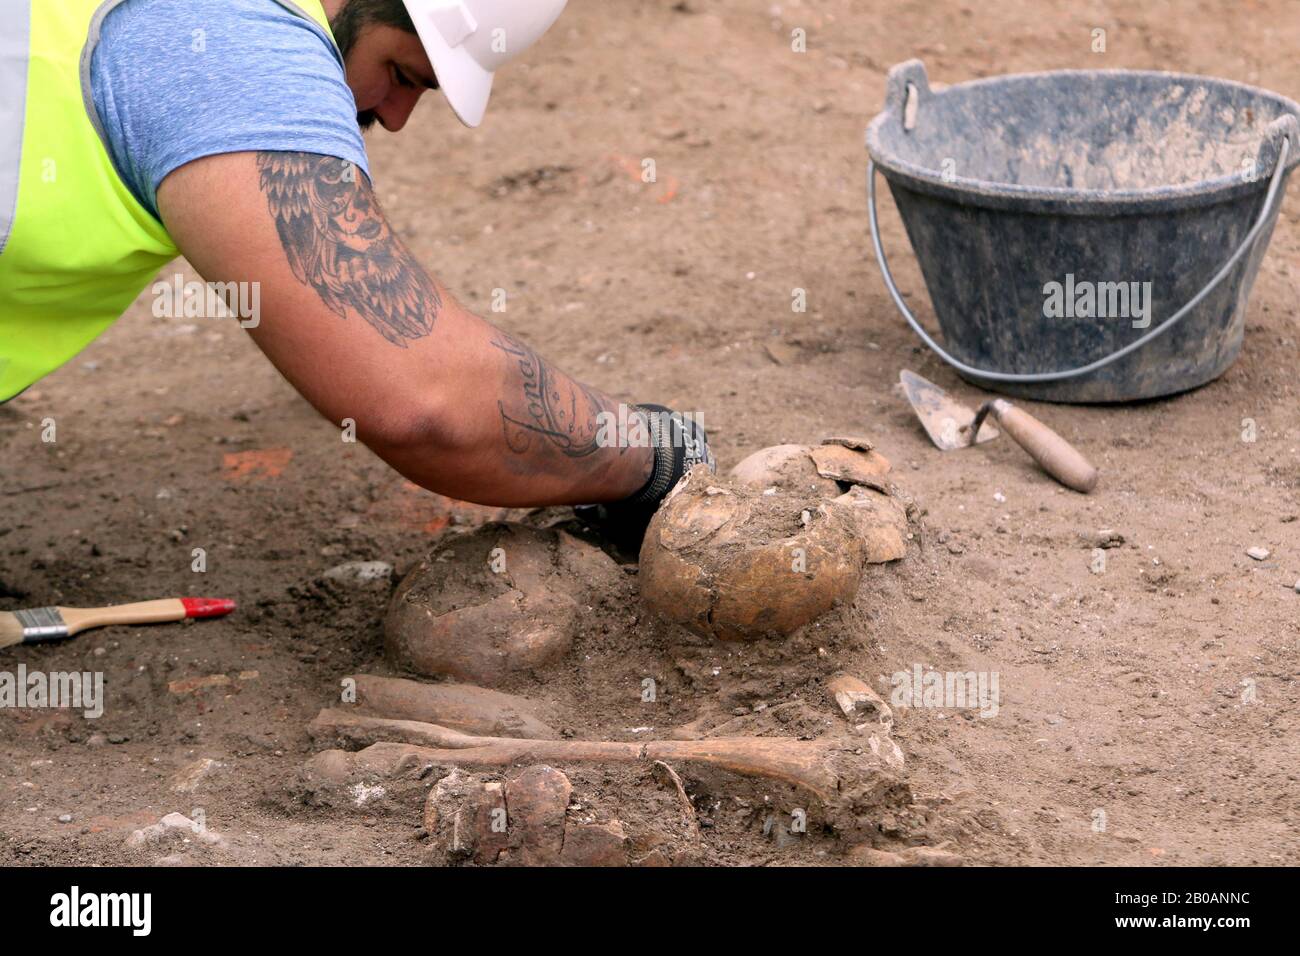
1279	170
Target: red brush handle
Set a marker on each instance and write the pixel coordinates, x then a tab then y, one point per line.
207	607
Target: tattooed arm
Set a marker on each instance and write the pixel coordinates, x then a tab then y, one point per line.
355	323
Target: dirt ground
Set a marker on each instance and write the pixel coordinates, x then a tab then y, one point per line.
1159	697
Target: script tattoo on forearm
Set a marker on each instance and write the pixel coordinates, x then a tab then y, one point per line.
556	409
338	242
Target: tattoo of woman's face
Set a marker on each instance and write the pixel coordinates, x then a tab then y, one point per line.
338	241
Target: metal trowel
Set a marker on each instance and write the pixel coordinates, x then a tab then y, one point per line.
952	425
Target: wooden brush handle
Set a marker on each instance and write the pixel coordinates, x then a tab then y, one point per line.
1057	456
144	612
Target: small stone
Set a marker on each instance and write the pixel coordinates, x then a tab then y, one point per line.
1106	538
96	740
190	777
1258	553
364	793
174	823
65	817
360	572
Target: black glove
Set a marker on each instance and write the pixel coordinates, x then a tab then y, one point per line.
679	444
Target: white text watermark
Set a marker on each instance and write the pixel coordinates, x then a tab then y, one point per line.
946	690
63	690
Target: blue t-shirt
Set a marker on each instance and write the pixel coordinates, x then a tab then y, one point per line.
176	80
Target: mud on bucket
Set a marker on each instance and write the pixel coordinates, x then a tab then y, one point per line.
1085	236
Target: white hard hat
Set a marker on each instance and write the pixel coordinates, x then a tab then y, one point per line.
469	40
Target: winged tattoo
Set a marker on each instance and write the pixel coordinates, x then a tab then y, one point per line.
339	243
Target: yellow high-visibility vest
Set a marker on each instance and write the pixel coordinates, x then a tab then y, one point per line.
76	247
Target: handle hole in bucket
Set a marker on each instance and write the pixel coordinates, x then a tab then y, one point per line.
910	106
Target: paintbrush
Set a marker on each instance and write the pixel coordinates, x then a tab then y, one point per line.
55	623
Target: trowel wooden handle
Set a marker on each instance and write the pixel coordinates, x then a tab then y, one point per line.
1056	455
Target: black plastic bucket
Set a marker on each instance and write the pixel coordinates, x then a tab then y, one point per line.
1061	218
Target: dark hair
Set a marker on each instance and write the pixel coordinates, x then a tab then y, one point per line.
357	14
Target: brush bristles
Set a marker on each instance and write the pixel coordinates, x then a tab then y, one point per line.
11	632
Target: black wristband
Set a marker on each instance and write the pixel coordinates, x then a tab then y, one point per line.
678	443
667	470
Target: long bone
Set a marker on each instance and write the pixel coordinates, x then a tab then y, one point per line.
826	768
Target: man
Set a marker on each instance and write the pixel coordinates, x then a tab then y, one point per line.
230	131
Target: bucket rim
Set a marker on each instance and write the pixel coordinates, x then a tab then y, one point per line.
1075	199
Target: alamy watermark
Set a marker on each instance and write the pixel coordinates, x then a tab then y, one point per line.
179	299
60	690
946	690
1083	299
633	427
133	911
